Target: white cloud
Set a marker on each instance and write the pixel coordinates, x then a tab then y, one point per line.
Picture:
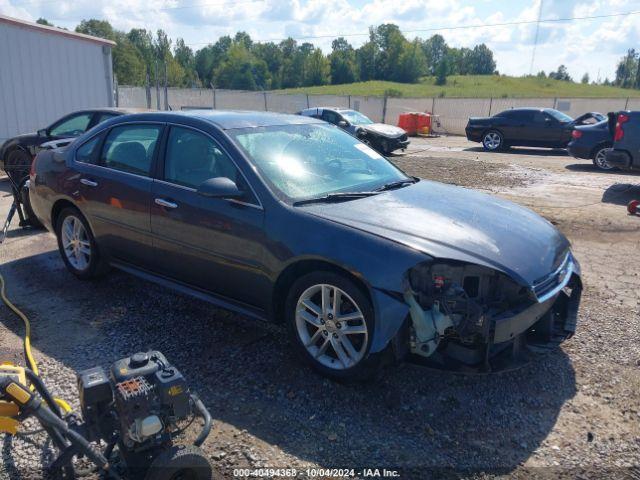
583	46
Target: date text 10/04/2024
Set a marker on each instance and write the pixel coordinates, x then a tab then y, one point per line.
317	472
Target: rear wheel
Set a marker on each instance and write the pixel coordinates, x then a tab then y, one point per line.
180	462
331	323
600	159
77	245
492	141
17	166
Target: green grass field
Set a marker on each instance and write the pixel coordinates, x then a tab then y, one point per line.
478	86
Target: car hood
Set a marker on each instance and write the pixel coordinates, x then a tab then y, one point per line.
449	222
384	129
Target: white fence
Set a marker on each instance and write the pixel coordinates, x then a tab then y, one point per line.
452	113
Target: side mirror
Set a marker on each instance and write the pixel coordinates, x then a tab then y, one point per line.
42	132
219	187
343	124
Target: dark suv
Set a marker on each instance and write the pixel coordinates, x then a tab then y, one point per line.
626	141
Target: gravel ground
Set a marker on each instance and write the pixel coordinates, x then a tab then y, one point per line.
574	413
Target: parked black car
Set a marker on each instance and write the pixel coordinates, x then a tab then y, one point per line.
17	153
592	142
20	150
530	127
380	136
288	218
625	153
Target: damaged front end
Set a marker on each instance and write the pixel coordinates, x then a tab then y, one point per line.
471	318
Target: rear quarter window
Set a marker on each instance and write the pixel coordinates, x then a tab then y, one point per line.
88	151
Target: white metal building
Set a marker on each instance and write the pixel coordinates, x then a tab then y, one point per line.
47	72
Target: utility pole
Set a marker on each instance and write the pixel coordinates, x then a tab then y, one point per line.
535	40
166	83
157	87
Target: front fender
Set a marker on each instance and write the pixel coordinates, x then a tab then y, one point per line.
379	263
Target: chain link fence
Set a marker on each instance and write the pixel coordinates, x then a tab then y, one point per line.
452	113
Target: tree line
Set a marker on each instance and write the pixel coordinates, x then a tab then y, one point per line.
239	62
627	73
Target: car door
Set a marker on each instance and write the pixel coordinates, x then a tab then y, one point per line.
214	244
522	131
549	131
114	188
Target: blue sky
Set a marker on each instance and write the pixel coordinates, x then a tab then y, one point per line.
592	45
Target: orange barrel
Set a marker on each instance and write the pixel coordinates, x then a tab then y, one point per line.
423	123
407	121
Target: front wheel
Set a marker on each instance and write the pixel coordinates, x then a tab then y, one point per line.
600	159
492	141
77	245
331	323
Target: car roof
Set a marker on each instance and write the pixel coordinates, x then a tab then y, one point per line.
230	119
116	110
335	109
527	109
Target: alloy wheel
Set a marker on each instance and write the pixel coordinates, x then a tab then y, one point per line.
601	159
492	140
331	327
76	243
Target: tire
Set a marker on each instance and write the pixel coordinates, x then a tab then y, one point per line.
321	338
492	141
184	462
599	158
17	165
82	258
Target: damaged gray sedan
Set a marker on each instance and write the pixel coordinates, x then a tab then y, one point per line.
291	219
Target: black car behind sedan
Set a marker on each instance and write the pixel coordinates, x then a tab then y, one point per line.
528	127
21	149
17	153
289	218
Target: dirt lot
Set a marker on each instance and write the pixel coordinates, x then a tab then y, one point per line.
572	413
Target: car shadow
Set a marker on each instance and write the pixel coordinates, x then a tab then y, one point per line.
591	168
415	419
545	152
621	193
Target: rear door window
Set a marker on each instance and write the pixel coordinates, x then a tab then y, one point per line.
129	148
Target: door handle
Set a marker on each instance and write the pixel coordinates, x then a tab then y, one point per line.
88	183
164	203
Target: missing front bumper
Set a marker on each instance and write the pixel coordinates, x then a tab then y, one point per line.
512	338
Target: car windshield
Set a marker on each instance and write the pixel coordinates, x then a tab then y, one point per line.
561	117
356	118
310	161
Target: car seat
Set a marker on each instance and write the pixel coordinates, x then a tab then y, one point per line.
129	157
